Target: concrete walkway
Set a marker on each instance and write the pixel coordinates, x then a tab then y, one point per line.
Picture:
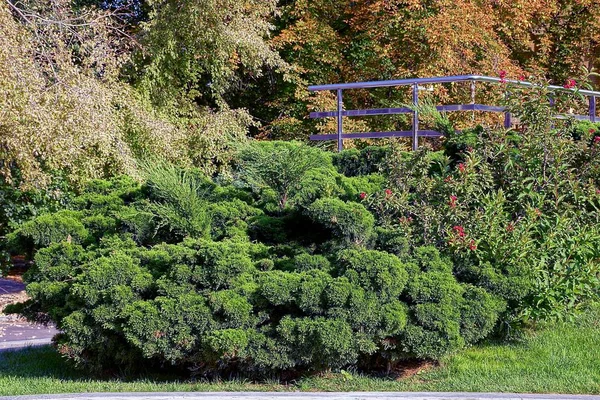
15	332
306	396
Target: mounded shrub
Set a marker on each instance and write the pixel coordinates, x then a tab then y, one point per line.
65	225
354	162
317	276
348	221
228	303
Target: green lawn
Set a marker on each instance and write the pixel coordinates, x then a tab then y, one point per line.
561	359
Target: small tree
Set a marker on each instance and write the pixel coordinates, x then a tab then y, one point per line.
279	166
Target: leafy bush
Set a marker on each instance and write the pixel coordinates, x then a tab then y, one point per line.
47	229
180	208
279	166
507	207
347	220
354	162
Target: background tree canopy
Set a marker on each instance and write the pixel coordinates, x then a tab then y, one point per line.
90	86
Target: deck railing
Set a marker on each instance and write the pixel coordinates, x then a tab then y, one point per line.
415	133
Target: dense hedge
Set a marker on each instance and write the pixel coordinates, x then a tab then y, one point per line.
262	290
297	266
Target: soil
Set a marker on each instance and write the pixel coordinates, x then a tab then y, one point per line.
410	368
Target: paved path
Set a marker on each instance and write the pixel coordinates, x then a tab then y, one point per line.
306	396
15	332
10	287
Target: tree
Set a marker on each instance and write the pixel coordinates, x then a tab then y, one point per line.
199	49
347	41
279	166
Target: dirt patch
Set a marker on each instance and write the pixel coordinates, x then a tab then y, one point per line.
410	368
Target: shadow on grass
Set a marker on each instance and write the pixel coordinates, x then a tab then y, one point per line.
46	362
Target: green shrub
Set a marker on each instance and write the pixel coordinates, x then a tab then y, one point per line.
108	194
279	167
480	312
368	184
319	343
378	272
347	220
354	162
307	262
300	271
238	304
269	229
228	218
394	241
315	184
46	229
458	143
584	131
180	207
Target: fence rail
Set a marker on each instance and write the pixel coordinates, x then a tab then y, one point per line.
415	133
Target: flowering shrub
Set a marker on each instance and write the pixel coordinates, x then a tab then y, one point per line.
509	207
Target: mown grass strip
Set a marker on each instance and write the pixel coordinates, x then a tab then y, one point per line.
561	359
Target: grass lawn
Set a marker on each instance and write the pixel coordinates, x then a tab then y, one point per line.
561	359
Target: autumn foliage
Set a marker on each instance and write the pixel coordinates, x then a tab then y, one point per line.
349	41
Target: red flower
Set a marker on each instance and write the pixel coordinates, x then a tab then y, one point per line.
459	230
596	139
362	195
388	192
502	74
521	78
472	245
592	130
462	168
448	179
510	227
570	84
452	202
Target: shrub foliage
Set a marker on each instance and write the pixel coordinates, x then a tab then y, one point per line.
311	269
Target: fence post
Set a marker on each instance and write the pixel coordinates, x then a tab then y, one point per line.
593	108
415	125
552	104
340	130
473	100
507	120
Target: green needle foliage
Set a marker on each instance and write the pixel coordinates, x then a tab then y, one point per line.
279	166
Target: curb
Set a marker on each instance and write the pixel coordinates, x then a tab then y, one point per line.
304	396
15	345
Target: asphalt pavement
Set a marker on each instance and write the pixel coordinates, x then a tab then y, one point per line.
15	332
